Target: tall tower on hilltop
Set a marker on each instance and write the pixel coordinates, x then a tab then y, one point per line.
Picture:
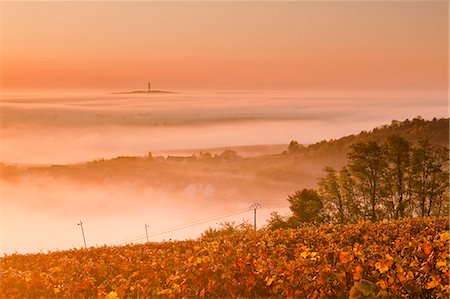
148	86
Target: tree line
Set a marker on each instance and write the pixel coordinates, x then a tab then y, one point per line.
393	180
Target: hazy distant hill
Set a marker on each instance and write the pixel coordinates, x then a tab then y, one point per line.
436	131
226	177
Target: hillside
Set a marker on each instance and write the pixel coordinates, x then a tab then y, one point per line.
436	131
389	259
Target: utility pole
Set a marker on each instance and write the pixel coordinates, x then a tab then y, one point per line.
146	232
254	207
82	232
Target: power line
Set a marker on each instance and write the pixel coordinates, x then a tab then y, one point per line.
181	226
275	203
208	219
186	226
274	206
127	239
141	236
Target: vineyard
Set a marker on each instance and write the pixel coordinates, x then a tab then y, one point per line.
407	258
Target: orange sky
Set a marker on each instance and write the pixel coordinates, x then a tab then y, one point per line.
225	45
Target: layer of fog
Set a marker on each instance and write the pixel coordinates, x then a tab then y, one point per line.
71	129
40	211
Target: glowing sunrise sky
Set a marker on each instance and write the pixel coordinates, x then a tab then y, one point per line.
225	45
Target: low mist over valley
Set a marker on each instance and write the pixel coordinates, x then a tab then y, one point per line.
115	197
60	128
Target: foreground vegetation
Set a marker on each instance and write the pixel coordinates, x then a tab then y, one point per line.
387	259
390	181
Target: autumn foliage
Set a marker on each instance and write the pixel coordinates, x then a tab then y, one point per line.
388	259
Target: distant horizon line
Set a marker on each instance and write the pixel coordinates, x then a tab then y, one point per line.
306	91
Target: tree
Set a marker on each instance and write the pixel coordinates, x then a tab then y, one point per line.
306	206
294	147
227	228
229	155
398	154
430	179
149	156
330	190
277	221
367	164
349	195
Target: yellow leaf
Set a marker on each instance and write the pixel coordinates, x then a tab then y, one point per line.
444	236
112	295
381	267
388	257
304	254
176	287
56	290
269	281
